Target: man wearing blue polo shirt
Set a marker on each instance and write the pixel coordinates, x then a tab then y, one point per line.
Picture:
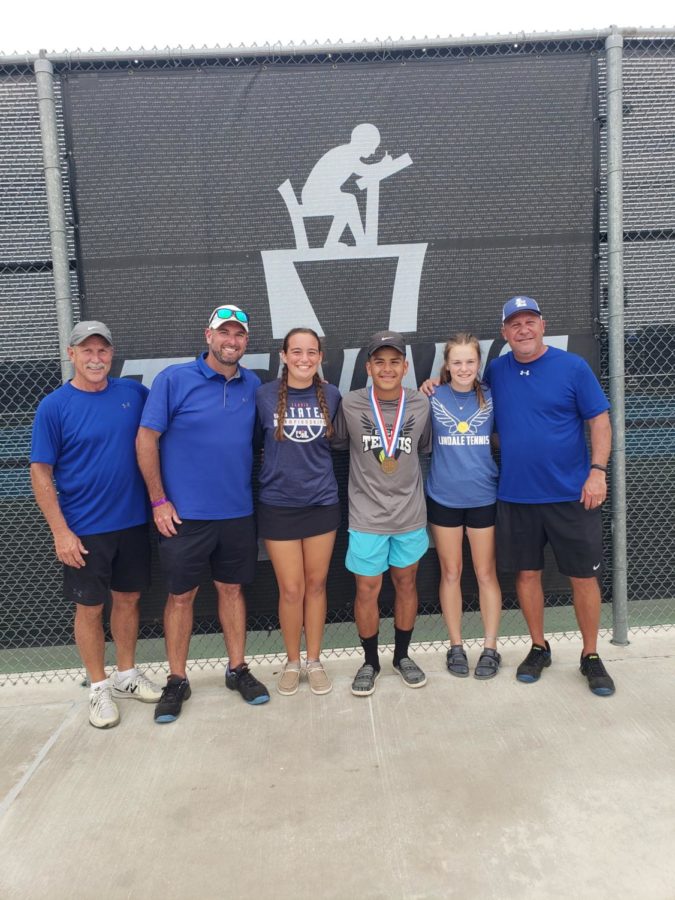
87	484
550	490
195	451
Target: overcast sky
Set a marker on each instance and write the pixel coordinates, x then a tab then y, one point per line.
93	24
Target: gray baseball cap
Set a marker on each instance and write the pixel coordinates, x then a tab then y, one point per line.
386	339
83	330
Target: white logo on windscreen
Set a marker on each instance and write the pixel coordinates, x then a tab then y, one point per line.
325	194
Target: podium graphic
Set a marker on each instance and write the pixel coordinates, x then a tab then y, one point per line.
323	196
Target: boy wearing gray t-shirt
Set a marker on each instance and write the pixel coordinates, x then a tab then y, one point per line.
385	427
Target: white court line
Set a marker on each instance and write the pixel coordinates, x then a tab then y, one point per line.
11	796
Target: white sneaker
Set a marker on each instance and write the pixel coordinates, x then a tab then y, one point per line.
136	687
103	711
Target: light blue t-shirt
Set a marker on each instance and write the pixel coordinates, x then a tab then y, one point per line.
540	410
463	473
206	447
88	437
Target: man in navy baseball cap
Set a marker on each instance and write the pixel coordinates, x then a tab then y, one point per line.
519	304
551	490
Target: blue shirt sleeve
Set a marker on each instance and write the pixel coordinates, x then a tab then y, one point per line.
156	412
591	399
46	438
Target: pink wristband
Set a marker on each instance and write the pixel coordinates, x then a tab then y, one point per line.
160	502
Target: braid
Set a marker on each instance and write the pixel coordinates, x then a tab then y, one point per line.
281	405
321	397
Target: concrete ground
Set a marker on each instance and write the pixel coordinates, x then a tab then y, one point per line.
462	789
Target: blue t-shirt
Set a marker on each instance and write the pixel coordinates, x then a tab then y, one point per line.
463	473
297	471
88	437
540	410
206	447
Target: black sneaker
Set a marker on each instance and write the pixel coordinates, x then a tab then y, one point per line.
599	681
538	659
252	690
176	691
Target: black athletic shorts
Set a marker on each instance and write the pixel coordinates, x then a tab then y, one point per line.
117	561
228	546
293	523
470	517
574	533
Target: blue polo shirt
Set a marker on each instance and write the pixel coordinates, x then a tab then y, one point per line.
206	448
88	438
540	411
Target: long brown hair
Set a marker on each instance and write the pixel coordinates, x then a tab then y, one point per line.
463	339
283	389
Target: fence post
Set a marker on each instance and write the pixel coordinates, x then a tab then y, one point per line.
614	48
44	79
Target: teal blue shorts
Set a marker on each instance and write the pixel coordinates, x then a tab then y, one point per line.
372	554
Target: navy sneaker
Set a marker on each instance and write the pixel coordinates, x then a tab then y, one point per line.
169	706
538	659
599	681
252	690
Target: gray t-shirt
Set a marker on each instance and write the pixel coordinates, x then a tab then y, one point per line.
380	503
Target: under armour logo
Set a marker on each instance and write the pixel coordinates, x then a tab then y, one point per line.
524	371
126	405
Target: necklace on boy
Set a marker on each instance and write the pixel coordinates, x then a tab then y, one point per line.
462	425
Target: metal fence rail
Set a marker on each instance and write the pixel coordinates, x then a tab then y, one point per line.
35	622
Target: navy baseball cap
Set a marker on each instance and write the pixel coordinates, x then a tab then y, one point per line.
519	304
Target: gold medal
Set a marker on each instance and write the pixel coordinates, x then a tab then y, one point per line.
389	465
462	427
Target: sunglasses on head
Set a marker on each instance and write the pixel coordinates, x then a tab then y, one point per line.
237	314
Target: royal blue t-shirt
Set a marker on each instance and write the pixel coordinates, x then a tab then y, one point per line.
540	410
297	471
463	473
206	447
88	437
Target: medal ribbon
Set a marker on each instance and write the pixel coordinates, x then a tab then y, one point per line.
389	446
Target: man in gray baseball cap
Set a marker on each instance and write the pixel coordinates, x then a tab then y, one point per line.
83	330
87	483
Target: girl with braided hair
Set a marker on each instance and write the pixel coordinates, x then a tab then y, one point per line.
298	509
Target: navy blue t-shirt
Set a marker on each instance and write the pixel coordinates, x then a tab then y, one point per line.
206	448
540	410
297	471
88	437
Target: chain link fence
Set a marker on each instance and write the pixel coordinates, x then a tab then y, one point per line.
36	622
